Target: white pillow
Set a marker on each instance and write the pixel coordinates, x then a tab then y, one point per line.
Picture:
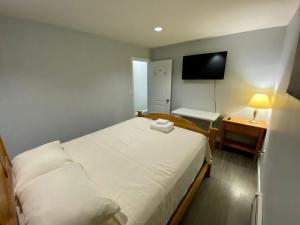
36	162
65	196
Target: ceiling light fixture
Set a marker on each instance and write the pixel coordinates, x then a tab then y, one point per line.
158	29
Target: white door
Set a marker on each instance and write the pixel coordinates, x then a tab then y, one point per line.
159	86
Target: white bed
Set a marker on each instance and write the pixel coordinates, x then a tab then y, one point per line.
146	172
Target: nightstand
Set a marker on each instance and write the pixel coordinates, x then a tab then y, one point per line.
243	127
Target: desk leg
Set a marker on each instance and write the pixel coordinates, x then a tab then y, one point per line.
259	144
222	136
255	156
210	124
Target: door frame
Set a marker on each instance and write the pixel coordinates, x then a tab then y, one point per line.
132	79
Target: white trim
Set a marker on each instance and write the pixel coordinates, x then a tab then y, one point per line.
139	59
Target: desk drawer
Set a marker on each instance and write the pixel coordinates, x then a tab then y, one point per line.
242	129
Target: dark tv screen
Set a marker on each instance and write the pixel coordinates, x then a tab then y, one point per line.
209	66
294	85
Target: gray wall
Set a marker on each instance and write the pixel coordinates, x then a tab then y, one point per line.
251	67
57	83
281	165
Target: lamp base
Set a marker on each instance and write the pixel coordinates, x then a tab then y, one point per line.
254	116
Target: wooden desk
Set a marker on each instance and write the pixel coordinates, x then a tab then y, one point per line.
243	127
197	114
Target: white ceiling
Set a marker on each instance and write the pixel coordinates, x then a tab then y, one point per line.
132	21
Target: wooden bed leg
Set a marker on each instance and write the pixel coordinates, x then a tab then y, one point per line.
140	113
212	139
208	172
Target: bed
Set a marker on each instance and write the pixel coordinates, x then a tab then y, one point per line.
153	176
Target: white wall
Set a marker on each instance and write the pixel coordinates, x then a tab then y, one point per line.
140	89
252	66
281	165
57	83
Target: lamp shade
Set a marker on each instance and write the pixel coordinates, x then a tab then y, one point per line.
260	101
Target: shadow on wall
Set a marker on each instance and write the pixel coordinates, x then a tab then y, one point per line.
240	92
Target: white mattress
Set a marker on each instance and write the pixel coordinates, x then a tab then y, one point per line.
146	172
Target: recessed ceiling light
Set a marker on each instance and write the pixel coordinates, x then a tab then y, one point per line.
158	29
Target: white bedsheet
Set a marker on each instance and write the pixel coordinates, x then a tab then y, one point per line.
146	172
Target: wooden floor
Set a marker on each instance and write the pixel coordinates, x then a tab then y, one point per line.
226	197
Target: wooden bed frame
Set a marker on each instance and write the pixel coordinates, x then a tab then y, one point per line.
203	172
8	213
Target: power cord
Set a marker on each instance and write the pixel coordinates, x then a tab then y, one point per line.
215	100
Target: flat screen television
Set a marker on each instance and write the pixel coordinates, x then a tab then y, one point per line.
209	66
294	85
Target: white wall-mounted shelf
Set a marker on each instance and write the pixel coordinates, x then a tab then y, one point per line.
197	114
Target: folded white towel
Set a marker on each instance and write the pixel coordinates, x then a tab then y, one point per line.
162	121
166	128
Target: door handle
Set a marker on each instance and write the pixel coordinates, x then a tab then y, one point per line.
167	100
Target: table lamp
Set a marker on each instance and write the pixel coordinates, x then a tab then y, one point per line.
259	101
